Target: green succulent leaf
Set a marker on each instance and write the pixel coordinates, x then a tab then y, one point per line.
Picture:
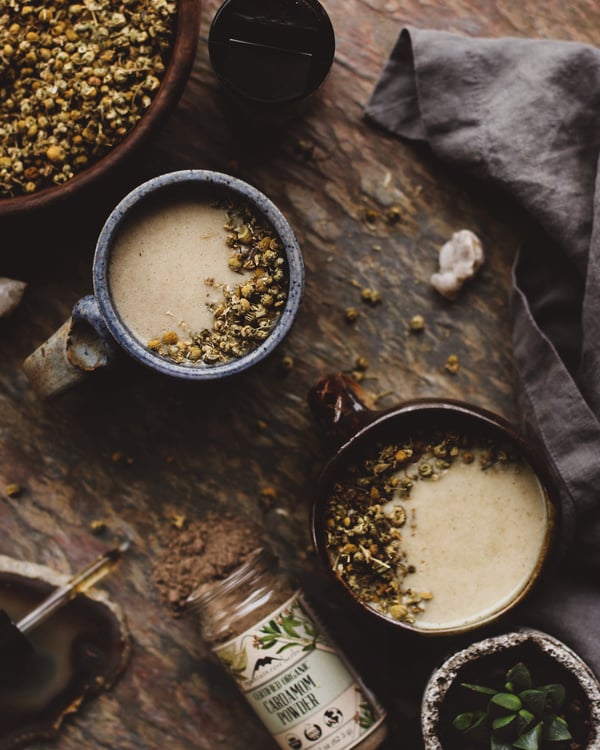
469	721
555	729
534	701
504	727
506	702
524	720
463	722
555	696
518	678
530	740
504	721
497	743
480	719
519	716
479	688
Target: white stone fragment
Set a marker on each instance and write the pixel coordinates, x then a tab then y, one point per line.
11	292
460	258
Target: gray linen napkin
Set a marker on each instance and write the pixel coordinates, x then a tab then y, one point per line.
524	114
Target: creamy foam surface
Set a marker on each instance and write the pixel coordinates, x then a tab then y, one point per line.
475	537
160	263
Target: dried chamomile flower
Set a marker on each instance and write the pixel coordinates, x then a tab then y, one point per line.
248	311
452	364
417	323
74	81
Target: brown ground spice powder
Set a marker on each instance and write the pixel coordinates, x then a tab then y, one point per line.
203	550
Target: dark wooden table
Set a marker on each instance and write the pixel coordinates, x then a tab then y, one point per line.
189	449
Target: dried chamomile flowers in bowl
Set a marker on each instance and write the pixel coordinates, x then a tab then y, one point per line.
82	85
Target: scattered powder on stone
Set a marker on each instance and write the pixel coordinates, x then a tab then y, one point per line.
203	550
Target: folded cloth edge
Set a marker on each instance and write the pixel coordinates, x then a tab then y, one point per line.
554	407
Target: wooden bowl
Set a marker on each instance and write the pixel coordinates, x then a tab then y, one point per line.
172	84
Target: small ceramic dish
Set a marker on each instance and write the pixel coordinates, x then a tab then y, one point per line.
80	652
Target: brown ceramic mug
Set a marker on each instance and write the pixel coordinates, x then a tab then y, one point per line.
475	528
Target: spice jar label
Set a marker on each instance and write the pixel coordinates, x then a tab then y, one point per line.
293	677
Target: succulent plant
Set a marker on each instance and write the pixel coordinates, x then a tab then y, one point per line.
518	716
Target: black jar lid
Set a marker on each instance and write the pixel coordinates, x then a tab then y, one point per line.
271	51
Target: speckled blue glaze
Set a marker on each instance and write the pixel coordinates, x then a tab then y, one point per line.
197	182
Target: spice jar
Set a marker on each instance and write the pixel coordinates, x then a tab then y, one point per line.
294	677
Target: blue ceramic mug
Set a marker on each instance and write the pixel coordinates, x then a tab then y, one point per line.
98	332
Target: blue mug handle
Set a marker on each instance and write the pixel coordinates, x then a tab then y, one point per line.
82	345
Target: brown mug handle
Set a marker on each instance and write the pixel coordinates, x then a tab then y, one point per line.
340	406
